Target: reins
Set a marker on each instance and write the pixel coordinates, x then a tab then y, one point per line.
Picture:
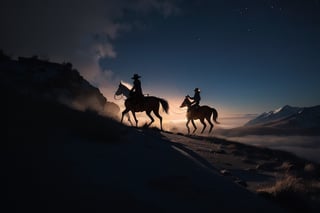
115	97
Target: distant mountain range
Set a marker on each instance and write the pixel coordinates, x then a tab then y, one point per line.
36	78
286	120
289	117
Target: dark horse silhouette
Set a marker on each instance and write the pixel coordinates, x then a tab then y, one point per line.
202	113
148	104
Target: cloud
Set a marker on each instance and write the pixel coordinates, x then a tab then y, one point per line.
78	31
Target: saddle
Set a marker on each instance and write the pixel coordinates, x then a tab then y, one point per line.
138	102
194	108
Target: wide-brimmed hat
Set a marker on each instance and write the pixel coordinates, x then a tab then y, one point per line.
136	76
197	89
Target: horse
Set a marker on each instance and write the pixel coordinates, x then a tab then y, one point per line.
148	104
202	113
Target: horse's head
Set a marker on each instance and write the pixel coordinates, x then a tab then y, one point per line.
186	102
122	90
119	90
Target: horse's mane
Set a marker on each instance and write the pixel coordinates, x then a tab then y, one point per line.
129	86
187	99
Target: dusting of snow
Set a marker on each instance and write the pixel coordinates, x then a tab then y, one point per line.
277	110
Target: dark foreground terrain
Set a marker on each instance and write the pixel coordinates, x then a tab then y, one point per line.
62	160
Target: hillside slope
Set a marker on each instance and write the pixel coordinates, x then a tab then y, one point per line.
63	160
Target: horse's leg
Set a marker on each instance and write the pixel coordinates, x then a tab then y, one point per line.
194	125
128	116
204	124
135	118
211	124
159	116
187	124
149	115
123	113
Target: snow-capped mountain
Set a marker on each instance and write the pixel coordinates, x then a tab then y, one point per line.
289	117
274	115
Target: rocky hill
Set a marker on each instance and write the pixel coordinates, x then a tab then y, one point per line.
33	77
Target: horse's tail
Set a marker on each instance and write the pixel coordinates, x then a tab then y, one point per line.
164	104
215	115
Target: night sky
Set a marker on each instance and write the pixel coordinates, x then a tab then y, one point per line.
245	56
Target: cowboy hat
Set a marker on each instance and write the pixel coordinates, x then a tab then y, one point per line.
136	76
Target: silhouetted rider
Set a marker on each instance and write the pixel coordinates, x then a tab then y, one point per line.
136	91
196	98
